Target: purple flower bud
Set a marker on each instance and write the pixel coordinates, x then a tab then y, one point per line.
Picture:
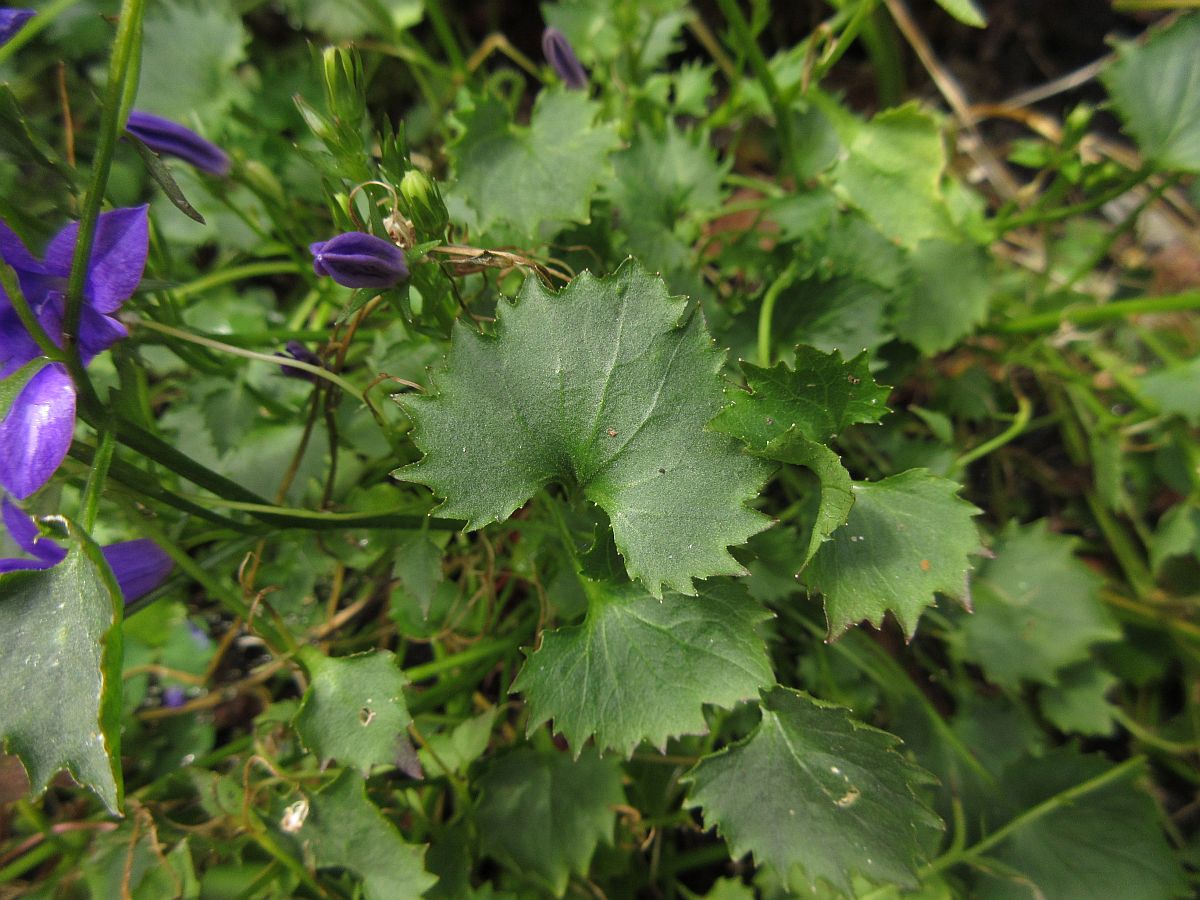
174	697
358	260
12	21
300	353
561	56
169	138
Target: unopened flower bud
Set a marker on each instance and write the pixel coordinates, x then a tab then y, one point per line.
345	86
561	56
425	205
169	138
359	260
300	353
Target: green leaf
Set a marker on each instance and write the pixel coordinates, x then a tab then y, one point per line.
893	171
345	830
601	30
457	748
162	177
908	537
966	11
949	297
354	710
836	493
418	568
1155	88
190	55
642	669
1101	842
770	558
354	19
544	814
21	141
816	795
789	412
1037	609
664	185
836	496
60	651
1178	534
604	388
526	176
129	862
1079	702
819	398
1173	390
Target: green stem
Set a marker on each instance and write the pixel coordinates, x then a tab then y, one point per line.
95	482
844	40
12	287
488	649
154	448
266	337
1124	227
879	37
564	531
23	864
287	361
1038	217
44	19
1136	6
1146	736
1019	423
1091	315
279	640
147	487
224	557
445	34
767	311
319	520
758	63
125	48
1053	804
236	273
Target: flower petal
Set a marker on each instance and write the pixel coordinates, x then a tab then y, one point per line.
118	256
359	260
97	333
36	434
12	21
139	566
14	564
171	139
16	346
15	253
24	532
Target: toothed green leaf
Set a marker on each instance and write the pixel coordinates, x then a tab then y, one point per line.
817	796
640	669
907	538
60	651
604	388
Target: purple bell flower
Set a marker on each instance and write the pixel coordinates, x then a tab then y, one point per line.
169	138
13	20
138	566
561	56
358	260
36	433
